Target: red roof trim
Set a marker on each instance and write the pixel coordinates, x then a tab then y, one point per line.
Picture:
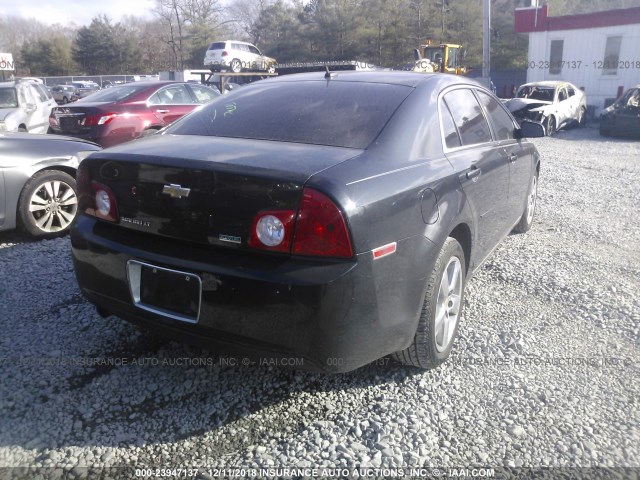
526	21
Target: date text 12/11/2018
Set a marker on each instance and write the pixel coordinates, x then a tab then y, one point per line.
577	64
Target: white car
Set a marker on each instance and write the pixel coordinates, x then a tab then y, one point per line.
553	104
237	56
25	106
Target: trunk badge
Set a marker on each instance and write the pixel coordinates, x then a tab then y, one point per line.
176	191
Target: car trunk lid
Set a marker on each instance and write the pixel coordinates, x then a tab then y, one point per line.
211	191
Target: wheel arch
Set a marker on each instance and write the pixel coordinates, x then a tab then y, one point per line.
462	233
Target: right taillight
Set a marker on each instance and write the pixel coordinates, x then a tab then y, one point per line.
95	199
224	53
320	228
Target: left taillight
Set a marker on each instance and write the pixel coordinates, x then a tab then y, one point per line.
95	199
94	120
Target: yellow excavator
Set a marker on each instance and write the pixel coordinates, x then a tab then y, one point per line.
444	58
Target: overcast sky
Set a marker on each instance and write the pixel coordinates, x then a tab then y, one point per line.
79	12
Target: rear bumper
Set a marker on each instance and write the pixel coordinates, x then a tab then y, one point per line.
328	316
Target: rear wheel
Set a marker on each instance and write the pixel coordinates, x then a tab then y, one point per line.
524	225
550	126
441	310
23	129
48	204
235	66
605	132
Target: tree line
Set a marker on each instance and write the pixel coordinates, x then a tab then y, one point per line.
380	32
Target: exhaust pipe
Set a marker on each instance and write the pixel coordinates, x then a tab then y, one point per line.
102	312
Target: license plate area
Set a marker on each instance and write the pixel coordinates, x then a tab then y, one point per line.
170	293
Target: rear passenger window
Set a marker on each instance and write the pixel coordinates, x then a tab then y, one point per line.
451	137
468	117
502	124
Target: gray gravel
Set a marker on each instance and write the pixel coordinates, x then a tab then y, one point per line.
545	372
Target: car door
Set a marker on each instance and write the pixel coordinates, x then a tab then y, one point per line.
563	106
480	162
170	103
520	163
45	103
258	59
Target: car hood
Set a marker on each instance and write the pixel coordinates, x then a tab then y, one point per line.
517	104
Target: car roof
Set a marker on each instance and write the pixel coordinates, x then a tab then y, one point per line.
392	77
234	41
546	83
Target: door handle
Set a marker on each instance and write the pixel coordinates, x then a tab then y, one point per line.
513	157
473	174
163	111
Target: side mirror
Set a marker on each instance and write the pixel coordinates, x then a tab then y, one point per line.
530	130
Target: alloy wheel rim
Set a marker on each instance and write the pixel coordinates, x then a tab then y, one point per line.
53	206
448	304
531	201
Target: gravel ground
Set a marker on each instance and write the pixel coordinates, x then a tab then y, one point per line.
545	372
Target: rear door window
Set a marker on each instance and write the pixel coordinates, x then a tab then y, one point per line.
468	117
503	125
203	94
449	131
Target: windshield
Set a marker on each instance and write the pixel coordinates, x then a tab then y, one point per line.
631	98
434	54
115	94
8	98
343	114
544	94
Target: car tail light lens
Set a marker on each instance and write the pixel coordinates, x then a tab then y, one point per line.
273	230
93	120
53	121
224	53
95	199
320	228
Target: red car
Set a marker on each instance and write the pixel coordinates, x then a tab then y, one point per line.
119	114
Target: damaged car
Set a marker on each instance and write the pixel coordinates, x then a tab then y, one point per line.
623	117
554	104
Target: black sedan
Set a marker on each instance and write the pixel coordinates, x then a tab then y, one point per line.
623	117
327	218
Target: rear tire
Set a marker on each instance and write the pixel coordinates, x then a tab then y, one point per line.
235	66
605	132
48	204
23	129
550	126
524	225
441	310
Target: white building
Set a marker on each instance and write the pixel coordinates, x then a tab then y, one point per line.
599	52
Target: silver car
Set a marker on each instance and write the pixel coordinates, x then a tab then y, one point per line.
63	93
25	106
37	181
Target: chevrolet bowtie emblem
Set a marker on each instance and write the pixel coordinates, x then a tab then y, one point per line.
176	191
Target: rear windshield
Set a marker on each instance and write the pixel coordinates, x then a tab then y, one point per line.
217	46
115	94
343	114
